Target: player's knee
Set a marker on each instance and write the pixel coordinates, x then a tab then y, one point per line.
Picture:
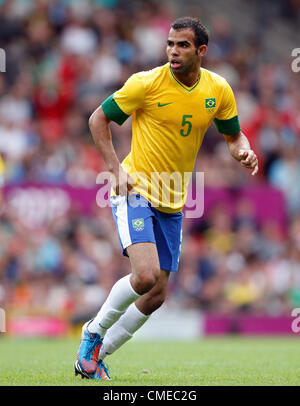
144	279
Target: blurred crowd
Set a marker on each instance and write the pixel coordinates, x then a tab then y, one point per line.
62	59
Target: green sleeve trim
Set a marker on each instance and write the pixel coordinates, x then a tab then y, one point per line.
113	111
228	127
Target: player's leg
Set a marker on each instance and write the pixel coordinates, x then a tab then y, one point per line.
145	265
168	235
135	316
145	273
133	218
153	299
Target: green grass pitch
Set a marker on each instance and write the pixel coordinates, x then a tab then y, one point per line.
211	361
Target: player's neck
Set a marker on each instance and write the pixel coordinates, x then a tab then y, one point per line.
189	79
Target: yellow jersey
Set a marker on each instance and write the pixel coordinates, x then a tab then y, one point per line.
169	121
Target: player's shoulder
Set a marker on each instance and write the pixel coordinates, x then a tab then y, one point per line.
154	72
218	80
151	75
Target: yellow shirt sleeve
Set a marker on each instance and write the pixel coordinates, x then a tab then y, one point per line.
131	96
226	119
227	108
119	106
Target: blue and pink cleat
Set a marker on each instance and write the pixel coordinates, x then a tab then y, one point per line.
87	364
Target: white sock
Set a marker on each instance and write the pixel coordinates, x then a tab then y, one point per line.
120	297
122	330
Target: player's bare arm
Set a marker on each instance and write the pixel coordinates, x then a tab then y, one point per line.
99	126
240	149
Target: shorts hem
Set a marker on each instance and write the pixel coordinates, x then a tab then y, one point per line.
135	242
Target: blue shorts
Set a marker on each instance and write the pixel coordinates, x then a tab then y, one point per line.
137	221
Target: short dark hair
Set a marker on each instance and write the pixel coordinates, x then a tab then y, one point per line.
200	31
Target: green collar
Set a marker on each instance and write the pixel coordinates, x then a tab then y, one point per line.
188	89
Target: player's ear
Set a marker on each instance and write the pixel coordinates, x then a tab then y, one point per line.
201	51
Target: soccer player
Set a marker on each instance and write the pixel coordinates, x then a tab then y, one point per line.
171	106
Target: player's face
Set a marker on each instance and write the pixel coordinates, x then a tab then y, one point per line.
182	52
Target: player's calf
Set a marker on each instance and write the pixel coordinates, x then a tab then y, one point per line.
152	300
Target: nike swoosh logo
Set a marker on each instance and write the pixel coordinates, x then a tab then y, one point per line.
165	104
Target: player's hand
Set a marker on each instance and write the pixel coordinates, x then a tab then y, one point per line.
121	182
249	160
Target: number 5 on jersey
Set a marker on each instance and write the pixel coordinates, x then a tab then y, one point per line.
184	132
